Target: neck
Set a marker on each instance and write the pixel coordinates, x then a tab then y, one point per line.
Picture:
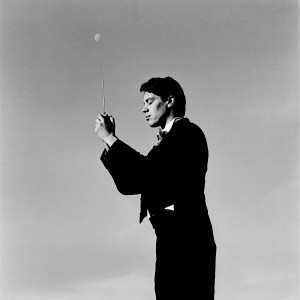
168	120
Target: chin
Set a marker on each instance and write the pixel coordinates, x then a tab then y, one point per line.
153	125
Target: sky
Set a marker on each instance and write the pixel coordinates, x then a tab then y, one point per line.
66	233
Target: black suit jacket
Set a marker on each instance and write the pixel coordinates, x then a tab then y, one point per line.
173	172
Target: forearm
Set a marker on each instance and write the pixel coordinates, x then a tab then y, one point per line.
125	166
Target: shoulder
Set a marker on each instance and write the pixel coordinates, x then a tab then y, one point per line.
187	127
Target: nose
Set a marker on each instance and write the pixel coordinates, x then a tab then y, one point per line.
145	109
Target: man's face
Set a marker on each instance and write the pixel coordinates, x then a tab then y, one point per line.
155	110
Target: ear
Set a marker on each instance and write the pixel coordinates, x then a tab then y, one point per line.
170	101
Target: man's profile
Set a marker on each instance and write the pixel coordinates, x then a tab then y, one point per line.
171	181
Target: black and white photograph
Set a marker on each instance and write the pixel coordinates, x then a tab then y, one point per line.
149	150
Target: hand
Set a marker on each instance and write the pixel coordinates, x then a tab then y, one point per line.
105	127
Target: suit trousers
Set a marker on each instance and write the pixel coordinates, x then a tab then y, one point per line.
185	259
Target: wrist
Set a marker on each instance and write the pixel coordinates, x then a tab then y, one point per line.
110	139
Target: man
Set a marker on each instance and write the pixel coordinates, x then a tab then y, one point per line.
171	181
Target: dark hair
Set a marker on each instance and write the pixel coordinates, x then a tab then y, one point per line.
166	87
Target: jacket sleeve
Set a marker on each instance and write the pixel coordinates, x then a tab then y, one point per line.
126	167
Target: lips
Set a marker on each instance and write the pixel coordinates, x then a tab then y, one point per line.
147	118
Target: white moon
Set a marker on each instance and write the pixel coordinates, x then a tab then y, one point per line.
97	37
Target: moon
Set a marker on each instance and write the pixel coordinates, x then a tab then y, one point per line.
97	37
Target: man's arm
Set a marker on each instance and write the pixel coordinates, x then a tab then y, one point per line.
123	163
126	167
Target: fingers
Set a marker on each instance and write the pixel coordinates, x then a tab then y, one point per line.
97	125
102	119
99	121
112	119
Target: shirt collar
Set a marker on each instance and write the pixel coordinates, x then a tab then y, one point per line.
170	124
